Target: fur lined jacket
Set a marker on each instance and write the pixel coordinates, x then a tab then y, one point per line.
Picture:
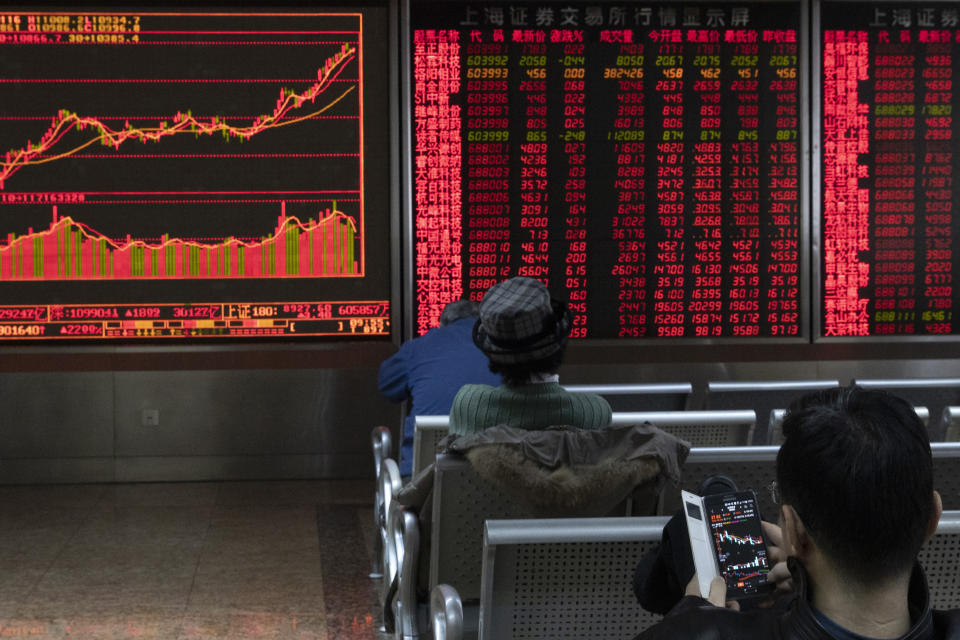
562	471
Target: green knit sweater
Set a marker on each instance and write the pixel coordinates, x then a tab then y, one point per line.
530	406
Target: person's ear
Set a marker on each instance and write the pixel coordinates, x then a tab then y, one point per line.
796	540
935	515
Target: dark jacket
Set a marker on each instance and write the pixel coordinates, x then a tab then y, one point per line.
791	618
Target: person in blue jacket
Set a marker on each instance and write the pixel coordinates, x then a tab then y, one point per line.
432	368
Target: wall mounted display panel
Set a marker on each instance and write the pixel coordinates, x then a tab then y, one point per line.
194	175
645	161
889	153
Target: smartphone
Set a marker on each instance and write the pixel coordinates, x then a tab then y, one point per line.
727	540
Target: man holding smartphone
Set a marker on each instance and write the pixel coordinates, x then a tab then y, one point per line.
855	477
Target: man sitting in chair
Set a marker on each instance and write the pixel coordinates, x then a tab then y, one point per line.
855	483
432	368
524	334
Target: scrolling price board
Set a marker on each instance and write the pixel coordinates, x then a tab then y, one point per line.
642	161
889	155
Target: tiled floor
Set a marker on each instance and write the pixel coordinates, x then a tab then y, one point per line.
188	560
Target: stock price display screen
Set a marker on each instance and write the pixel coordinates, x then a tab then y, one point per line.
889	155
644	161
193	175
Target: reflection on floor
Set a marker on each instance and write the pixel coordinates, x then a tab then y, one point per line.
197	560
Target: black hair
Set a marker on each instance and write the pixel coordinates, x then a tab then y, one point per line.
856	466
517	374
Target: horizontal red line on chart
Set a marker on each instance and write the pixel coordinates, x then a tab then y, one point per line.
206	43
194	193
187	156
224	33
198	117
205	14
274	201
164	80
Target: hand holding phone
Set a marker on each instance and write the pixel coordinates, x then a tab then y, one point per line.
726	537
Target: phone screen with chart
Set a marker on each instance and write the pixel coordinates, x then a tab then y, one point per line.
738	539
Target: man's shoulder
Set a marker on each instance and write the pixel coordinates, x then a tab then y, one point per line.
946	624
478	390
592	400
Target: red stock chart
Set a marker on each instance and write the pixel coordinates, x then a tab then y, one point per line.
185	175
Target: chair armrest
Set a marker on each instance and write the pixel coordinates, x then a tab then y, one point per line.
446	613
382	444
389	485
380	439
406	531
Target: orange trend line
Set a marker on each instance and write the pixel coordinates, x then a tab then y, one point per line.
67	121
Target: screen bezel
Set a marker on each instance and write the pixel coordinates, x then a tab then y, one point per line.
379	160
816	163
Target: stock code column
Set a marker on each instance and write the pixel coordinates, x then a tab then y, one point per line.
642	161
889	156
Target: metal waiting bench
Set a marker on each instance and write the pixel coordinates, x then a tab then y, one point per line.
663	396
572	578
761	396
950	424
755	468
775	433
699	428
934	393
564	578
750	467
462	501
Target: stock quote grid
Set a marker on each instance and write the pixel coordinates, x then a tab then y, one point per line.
184	175
646	167
649	164
889	152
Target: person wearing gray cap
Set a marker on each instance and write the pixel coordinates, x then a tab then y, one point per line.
524	334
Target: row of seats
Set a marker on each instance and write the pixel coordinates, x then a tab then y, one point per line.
463	501
708	428
571	578
457	559
935	394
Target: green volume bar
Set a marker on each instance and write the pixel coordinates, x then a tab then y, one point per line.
241	267
38	257
194	261
293	250
78	251
170	257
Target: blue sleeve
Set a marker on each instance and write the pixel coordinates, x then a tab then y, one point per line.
394	381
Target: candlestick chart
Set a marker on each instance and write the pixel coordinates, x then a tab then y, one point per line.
184	151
